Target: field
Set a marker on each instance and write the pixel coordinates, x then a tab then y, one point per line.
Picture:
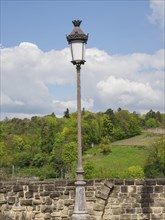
124	154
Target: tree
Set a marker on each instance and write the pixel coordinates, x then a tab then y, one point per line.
122	124
66	113
111	115
134	126
107	126
155	164
48	130
151	123
150	114
69	156
90	129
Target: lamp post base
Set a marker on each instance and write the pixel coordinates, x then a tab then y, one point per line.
80	216
80	208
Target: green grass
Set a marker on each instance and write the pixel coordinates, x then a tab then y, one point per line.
120	158
125	153
145	139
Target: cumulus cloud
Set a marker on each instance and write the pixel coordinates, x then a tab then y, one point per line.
133	81
128	93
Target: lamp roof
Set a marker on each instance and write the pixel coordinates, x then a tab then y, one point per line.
77	34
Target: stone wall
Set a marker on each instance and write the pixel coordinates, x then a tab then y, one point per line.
106	200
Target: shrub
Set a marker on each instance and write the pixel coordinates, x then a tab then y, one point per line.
135	172
89	170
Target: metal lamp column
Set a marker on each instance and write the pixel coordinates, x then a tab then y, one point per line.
77	39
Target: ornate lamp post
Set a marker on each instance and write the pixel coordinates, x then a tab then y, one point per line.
77	40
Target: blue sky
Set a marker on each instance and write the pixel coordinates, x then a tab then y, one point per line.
114	26
124	32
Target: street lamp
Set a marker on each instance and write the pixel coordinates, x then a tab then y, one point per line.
77	40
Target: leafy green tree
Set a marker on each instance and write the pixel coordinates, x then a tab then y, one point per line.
66	113
134	126
111	115
107	126
69	156
155	164
150	114
48	130
127	125
151	123
90	129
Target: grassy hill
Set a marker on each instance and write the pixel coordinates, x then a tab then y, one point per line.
124	154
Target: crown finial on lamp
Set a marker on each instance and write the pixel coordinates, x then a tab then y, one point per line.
76	23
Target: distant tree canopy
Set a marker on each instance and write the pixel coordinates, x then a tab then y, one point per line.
46	146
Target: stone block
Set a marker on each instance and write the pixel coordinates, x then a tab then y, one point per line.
118	182
98	207
129	182
33	188
28	195
161	181
159	189
146	210
157	216
3	202
49	187
124	189
103	193
61	182
26	202
54	195
158	202
3	190
90	183
48	201
109	183
56	214
20	194
89	194
47	216
130	210
45	193
37	202
68	202
147	189
17	188
131	189
11	200
139	182
125	217
46	208
150	182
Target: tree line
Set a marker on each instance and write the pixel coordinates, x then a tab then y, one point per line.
47	146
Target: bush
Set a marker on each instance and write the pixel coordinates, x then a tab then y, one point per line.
135	172
155	163
88	170
105	149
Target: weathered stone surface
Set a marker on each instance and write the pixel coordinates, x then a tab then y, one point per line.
106	200
26	202
11	200
29	194
17	188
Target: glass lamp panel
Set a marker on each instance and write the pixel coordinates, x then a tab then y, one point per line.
77	51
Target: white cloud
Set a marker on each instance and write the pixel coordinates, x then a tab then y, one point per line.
158	12
133	81
72	104
127	93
